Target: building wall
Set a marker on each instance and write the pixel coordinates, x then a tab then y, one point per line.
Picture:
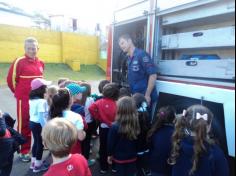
55	47
102	63
80	47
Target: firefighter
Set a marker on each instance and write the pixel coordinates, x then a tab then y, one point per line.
142	72
21	73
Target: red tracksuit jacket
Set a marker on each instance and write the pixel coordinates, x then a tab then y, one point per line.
21	73
104	110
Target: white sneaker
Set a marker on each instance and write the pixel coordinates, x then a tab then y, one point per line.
40	168
32	166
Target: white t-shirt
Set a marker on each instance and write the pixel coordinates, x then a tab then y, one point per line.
88	103
74	118
39	111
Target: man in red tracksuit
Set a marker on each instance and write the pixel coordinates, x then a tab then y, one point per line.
21	73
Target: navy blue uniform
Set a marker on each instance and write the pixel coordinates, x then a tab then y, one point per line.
211	163
140	67
160	149
123	151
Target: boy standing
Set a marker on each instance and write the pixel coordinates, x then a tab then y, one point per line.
59	135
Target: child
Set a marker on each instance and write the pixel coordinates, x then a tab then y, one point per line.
143	115
194	153
101	85
104	110
59	135
6	148
123	136
61	107
160	139
61	82
38	118
52	90
87	101
124	92
96	97
76	92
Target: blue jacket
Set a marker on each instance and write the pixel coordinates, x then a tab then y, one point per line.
78	109
212	163
160	149
140	67
121	148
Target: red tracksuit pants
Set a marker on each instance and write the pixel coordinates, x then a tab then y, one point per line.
23	124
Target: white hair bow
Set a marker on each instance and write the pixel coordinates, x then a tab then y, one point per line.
143	107
184	112
204	117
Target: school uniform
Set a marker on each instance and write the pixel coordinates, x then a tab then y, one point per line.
96	98
160	149
211	163
91	125
143	150
104	110
123	151
79	123
76	165
77	108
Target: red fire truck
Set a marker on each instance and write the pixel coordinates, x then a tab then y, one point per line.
193	44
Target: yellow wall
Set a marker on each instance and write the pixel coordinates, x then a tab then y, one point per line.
102	63
80	47
55	47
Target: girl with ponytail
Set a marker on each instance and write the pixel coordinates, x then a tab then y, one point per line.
194	153
159	138
60	108
144	123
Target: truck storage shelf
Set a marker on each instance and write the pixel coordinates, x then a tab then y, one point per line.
201	14
211	38
215	69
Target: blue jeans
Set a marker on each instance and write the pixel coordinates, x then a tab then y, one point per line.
37	149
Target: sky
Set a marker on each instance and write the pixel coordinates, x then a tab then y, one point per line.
88	12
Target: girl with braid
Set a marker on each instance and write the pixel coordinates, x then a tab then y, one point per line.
194	153
160	141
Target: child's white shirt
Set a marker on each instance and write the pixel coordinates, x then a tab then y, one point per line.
89	102
39	111
74	118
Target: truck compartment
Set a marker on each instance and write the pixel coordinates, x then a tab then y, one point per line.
207	39
210	69
212	38
214	12
138	31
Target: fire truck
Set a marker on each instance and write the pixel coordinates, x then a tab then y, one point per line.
193	45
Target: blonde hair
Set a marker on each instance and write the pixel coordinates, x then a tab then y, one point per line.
31	40
127	118
59	135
